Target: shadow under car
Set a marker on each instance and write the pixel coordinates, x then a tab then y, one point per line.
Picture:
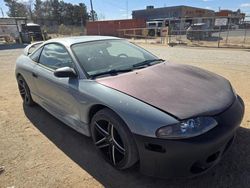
232	171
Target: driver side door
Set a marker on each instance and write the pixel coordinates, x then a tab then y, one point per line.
57	95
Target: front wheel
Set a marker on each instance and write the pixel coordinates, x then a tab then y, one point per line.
113	139
24	91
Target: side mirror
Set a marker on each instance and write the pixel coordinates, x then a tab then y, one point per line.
65	72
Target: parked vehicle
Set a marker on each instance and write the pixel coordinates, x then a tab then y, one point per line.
198	31
234	26
154	27
244	25
18	30
31	32
175	120
174	26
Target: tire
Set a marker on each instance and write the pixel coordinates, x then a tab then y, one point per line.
151	32
24	91
113	140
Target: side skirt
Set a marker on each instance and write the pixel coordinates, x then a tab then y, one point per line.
79	126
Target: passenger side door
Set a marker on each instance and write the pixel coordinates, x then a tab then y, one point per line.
57	94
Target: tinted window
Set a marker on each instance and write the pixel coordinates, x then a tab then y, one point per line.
55	56
35	56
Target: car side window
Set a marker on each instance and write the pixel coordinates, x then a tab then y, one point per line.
35	56
55	56
33	47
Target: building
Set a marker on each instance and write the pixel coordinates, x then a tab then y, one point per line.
235	17
11	26
178	17
174	12
116	27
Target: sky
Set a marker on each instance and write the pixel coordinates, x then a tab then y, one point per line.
117	9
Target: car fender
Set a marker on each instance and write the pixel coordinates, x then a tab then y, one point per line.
25	68
141	118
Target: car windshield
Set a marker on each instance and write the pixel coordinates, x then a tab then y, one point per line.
110	56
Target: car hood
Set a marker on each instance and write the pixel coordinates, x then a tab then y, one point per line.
181	90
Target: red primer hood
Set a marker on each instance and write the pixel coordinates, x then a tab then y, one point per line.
181	90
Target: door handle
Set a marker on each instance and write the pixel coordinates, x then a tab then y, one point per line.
34	75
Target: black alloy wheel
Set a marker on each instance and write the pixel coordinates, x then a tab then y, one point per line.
113	140
24	91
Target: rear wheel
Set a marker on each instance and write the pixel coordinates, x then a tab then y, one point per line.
113	140
24	91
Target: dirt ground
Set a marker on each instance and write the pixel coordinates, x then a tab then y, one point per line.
37	150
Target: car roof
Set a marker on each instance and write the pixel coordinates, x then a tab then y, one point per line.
32	24
199	24
68	41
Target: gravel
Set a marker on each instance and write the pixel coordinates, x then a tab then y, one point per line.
37	150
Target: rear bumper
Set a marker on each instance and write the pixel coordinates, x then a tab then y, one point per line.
193	156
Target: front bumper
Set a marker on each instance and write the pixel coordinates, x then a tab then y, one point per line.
193	156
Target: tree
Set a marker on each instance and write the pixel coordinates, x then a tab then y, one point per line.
47	9
38	12
80	14
16	9
84	14
56	10
29	5
69	14
95	15
53	10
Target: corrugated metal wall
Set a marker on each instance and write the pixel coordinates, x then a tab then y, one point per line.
111	27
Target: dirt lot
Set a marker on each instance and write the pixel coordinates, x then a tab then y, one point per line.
37	150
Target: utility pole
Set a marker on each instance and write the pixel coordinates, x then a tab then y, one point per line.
127	8
92	11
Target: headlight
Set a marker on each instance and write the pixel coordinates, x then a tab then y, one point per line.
188	128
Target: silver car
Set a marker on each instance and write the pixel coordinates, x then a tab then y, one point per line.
171	119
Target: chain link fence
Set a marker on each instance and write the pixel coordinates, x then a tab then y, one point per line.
211	32
202	31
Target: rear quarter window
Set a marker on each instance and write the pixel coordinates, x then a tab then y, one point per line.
35	56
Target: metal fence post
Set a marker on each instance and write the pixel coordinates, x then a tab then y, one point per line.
180	31
99	29
229	23
219	37
245	36
19	33
170	33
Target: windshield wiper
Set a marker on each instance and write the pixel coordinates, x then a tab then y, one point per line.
111	72
147	62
